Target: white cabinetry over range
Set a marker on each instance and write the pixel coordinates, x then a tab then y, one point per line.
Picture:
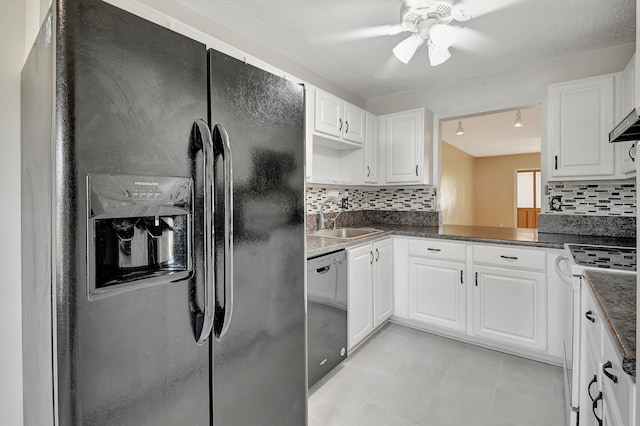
581	115
370	289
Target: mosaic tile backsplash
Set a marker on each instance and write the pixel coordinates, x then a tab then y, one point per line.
396	199
591	198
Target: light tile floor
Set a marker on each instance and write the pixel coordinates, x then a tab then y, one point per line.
403	376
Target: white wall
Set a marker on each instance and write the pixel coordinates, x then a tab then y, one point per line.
12	18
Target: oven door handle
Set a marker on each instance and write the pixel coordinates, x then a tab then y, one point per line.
564	274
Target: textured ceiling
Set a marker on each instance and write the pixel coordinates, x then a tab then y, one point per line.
492	134
345	41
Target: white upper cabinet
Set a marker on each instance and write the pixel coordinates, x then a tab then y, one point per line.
402	136
354	123
626	150
340	119
581	115
328	114
371	150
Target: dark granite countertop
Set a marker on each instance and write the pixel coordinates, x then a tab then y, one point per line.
479	234
616	295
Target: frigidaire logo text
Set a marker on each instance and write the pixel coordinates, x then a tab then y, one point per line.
147	183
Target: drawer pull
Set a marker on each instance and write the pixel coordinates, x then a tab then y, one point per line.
461	281
509	257
434	250
611	377
594	380
476	279
323	270
589	315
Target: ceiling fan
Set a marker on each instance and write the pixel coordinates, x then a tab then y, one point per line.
428	21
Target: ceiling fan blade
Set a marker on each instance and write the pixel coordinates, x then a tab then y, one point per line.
355	35
405	50
438	55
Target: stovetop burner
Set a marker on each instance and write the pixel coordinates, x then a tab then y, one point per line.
623	258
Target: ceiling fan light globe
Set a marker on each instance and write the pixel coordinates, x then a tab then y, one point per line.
442	36
405	50
438	55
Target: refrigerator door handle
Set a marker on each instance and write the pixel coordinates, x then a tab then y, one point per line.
221	144
203	134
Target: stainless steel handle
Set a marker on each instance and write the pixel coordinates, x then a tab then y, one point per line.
339	123
203	138
611	377
221	146
509	257
346	127
377	255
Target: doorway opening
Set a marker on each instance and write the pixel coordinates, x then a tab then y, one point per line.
528	198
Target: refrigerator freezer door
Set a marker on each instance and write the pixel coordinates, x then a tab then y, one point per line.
260	362
134	90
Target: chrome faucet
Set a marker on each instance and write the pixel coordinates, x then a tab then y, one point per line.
324	203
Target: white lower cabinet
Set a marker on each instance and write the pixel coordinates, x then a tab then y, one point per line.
370	289
510	306
437	293
608	395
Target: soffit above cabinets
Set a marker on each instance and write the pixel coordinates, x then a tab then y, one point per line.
345	41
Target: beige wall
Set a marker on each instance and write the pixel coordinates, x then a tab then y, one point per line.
494	188
456	186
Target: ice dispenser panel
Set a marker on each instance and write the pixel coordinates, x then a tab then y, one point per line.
139	231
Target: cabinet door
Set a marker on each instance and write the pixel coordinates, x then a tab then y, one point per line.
328	114
354	123
590	391
371	150
437	294
510	306
404	139
382	281
581	117
360	294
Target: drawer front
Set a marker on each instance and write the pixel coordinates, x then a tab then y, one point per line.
618	395
510	257
438	250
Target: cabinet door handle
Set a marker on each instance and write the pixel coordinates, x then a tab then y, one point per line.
632	148
594	405
461	280
377	255
368	171
434	250
556	166
346	127
509	257
594	380
611	377
371	262
416	170
589	315
340	125
476	279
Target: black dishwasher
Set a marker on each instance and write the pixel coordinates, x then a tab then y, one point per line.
326	313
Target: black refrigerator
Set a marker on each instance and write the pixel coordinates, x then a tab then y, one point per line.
163	241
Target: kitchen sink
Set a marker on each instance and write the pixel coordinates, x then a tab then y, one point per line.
346	233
